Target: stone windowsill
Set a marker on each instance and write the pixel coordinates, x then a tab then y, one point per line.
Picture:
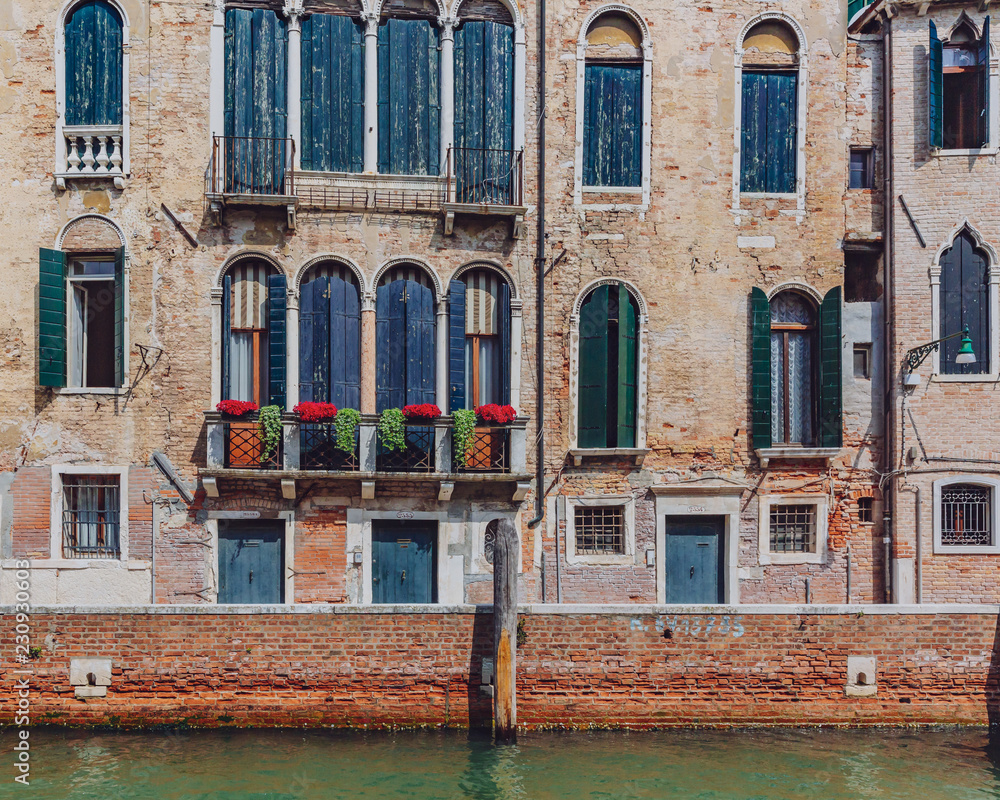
768	454
634	454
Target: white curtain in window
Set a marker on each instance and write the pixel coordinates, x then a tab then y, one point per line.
799	388
488	379
241	366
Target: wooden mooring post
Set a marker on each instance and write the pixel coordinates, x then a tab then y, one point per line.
505	557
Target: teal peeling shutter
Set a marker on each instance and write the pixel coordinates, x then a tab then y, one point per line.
768	150
456	345
51	317
754	132
984	85
94	59
760	369
592	411
121	357
935	83
831	360
276	302
628	332
612	128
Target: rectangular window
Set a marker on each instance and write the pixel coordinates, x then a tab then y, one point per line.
861	176
861	270
91	516
769	132
612	125
793	528
966	515
863	361
91	324
600	530
866	509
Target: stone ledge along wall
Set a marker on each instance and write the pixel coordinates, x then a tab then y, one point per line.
380	668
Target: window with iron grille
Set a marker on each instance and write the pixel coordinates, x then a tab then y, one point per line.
793	528
966	515
600	530
91	516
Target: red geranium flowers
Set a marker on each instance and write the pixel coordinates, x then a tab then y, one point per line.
499	415
315	412
236	408
421	411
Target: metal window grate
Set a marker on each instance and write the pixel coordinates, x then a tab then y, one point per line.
318	449
417	456
486	453
600	530
965	515
91	516
793	529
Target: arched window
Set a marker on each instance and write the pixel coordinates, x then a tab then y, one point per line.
479	339
609	327
330	336
404	338
769	109
613	103
964	300
253	333
94	59
960	87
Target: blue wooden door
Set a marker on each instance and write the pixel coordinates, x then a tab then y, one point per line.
693	557
404	342
404	557
252	563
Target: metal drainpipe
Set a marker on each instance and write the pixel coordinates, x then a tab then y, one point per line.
540	284
920	553
888	522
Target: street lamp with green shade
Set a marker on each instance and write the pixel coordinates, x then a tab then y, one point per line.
966	355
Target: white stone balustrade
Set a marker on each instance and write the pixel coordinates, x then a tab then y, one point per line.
93	152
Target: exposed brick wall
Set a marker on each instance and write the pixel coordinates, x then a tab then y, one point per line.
31	493
320	547
583	669
141	491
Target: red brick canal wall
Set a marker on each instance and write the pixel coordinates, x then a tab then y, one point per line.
640	667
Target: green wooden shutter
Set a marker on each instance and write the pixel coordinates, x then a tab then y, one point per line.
628	331
456	345
94	58
760	366
51	317
831	360
984	85
935	82
276	302
121	357
592	411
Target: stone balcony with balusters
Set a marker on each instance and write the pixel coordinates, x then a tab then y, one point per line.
92	151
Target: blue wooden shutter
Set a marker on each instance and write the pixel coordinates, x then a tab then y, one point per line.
768	153
831	359
420	356
94	59
314	340
51	317
227	333
121	357
408	97
760	369
345	342
592	412
627	380
754	132
612	125
503	322
935	84
390	345
332	94
456	345
984	85
276	355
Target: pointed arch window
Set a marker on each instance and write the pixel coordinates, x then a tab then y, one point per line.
959	85
964	300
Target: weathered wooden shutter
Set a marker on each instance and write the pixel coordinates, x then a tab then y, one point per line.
51	317
408	98
754	132
420	356
831	360
456	345
769	132
345	342
227	333
503	323
121	357
760	369
984	85
276	340
592	412
935	83
612	125
332	94
628	332
390	345
94	58
314	340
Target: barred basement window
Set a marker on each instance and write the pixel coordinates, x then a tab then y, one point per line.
91	516
966	515
600	530
793	528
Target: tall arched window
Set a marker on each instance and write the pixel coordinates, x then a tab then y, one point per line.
330	336
609	328
253	333
613	103
94	59
404	338
964	300
479	339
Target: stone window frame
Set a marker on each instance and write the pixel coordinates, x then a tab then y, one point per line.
801	114
975	480
764	554
934	276
56	556
60	74
212	551
643	191
628	557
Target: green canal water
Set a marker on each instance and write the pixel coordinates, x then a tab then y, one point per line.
952	764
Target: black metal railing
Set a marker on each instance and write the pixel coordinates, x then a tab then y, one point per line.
416	456
244	446
485	176
488	452
318	449
252	165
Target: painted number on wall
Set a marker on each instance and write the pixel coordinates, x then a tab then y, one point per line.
724	625
696	509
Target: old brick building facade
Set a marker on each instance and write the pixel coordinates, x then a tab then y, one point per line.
277	202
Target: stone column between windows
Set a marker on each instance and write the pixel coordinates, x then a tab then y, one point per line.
447	89
217	81
515	353
519	78
292	351
293	11
216	296
371	121
368	354
441	356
